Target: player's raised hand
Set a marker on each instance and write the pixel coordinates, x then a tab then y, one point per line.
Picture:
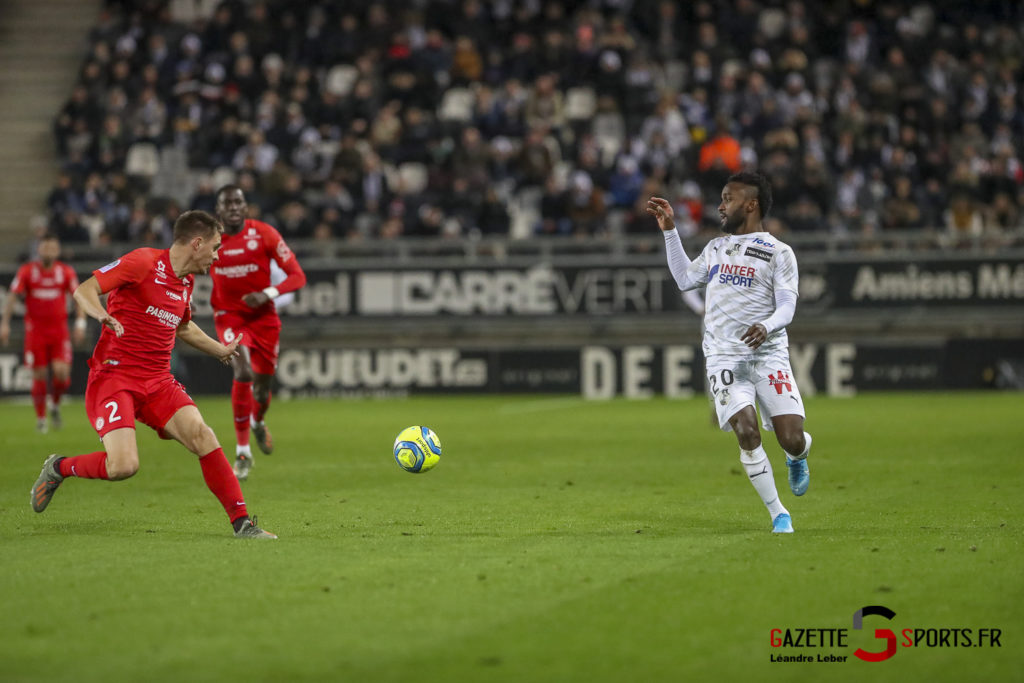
661	209
112	322
755	335
230	350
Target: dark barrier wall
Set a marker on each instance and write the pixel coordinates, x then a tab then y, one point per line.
637	371
553	290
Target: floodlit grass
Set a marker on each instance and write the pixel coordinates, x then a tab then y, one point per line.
558	540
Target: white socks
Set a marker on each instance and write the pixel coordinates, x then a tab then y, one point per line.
807	449
759	471
245	450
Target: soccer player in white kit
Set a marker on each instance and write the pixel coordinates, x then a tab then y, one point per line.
750	279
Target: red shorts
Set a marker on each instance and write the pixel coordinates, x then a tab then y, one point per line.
114	398
260	334
44	345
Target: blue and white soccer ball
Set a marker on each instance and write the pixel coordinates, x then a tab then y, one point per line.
417	449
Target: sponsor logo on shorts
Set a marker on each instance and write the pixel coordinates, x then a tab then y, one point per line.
780	381
99	423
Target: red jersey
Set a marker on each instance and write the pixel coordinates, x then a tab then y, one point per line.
243	267
45	291
150	302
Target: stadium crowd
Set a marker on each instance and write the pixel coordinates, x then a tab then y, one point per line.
368	120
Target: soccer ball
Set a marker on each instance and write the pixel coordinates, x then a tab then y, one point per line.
417	449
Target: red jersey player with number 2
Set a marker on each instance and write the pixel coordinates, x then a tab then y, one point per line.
243	304
149	298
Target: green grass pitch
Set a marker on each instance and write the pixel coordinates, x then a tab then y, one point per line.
558	540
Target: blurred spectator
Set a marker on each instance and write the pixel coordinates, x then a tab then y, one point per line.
963	218
585	205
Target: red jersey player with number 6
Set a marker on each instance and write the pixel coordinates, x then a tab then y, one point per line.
243	304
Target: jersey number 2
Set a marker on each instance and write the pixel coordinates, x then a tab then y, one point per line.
113	417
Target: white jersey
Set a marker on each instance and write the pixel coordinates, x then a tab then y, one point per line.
741	274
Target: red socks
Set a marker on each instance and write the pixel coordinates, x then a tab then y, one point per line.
60	387
89	466
261	408
39	397
241	406
220	479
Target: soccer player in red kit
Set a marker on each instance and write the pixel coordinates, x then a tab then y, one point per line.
149	296
44	285
243	305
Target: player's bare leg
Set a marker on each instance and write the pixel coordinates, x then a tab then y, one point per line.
759	468
241	409
188	428
261	388
789	429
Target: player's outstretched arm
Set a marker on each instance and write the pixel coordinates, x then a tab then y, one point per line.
678	261
87	296
193	335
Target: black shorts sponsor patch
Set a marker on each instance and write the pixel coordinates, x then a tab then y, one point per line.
758	253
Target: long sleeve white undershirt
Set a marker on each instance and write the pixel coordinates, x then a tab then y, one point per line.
678	261
785	309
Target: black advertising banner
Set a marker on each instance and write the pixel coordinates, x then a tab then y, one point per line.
599	372
546	289
923	283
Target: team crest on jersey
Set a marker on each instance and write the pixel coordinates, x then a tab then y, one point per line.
253	245
732	249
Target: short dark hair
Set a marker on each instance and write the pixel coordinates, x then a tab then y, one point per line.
759	182
47	236
195	223
228	188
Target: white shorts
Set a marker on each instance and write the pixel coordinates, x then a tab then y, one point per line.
735	384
